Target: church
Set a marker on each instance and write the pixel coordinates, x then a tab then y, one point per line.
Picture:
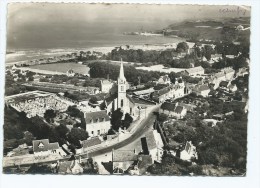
120	99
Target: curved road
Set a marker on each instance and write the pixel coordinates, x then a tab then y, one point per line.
144	126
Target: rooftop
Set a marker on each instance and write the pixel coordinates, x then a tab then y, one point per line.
178	109
92	142
99	116
168	106
195	69
124	155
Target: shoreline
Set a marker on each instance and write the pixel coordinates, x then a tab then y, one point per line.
56	52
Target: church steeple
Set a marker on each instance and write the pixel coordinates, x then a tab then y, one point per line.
121	82
121	73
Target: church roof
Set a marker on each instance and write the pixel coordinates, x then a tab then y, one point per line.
121	73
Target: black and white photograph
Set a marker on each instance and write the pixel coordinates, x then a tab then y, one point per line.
126	89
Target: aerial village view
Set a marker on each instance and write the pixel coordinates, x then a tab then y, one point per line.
120	90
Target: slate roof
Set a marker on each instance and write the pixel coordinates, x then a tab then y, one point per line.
178	109
91	142
162	91
203	87
124	155
168	106
106	82
53	146
152	140
143	101
99	116
145	91
44	142
195	69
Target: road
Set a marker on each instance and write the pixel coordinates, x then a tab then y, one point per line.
144	126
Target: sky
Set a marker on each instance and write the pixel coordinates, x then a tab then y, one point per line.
35	25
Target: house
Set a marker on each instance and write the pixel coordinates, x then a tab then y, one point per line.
122	160
242	72
173	91
164	80
70	73
179	112
145	92
44	148
189	152
217	78
105	86
194	71
97	123
69	167
152	145
229	73
86	144
202	90
173	110
189	107
162	95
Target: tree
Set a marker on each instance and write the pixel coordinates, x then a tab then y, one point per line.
127	121
182	47
116	119
162	118
93	100
49	115
73	111
62	131
77	134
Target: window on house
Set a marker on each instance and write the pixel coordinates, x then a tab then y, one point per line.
98	132
122	102
92	132
122	88
130	110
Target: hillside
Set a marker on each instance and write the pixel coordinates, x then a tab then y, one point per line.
209	29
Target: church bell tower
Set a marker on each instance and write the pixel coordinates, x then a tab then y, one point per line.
121	82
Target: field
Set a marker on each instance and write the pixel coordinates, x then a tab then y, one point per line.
62	67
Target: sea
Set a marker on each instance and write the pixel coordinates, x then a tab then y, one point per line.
104	45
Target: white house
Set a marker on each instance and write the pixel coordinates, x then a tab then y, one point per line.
194	71
189	152
97	123
172	110
202	90
44	148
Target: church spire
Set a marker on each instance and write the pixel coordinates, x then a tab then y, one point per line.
121	73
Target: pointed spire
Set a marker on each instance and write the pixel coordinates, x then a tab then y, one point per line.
121	73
